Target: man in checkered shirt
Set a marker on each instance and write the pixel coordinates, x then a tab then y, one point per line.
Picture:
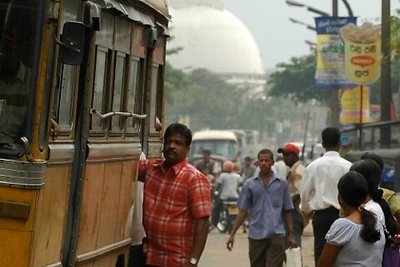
177	204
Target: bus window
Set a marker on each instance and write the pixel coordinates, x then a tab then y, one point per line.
156	96
159	94
119	74
104	42
67	95
99	85
19	53
122	44
135	95
105	37
122	35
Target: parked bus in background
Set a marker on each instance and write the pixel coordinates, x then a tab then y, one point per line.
81	96
249	142
223	145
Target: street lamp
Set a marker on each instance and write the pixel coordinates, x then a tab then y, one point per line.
309	8
349	10
310	43
317	11
303	23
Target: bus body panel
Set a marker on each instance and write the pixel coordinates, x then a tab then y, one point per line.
16	244
51	215
16	235
103	216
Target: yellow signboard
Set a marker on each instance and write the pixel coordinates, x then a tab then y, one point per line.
352	107
362	52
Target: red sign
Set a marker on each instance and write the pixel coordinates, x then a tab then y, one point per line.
362	61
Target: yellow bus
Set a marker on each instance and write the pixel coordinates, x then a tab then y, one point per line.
81	97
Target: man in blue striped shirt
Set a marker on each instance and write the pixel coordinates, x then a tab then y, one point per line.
266	200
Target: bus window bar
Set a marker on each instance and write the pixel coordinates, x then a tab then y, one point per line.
117	113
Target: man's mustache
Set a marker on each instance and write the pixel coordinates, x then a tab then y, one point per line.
170	151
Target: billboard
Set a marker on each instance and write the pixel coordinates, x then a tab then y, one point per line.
362	52
330	72
355	105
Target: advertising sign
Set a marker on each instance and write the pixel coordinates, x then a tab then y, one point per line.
330	71
353	110
362	52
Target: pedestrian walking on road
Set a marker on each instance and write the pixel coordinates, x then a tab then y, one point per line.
318	188
249	169
265	199
177	204
357	239
291	158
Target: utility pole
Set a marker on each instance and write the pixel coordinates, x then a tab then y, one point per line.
386	90
334	95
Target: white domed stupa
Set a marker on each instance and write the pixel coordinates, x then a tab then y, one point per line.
213	38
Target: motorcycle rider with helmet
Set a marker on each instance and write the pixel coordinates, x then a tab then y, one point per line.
228	184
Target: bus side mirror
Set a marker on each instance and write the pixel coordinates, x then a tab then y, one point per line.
72	42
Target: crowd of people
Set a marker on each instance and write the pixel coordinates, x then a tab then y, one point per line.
354	220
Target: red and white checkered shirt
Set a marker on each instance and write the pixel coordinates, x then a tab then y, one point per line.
173	199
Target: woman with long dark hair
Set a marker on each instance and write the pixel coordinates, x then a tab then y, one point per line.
358	238
375	203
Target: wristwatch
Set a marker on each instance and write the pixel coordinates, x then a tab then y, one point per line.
193	261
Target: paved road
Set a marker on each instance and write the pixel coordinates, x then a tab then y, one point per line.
216	254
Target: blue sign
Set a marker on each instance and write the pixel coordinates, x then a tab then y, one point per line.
330	71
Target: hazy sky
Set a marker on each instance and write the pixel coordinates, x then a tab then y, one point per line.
279	39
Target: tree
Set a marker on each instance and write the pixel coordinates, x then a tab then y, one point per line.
207	99
212	103
395	36
295	80
175	80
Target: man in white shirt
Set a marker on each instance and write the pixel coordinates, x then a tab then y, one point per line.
318	188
